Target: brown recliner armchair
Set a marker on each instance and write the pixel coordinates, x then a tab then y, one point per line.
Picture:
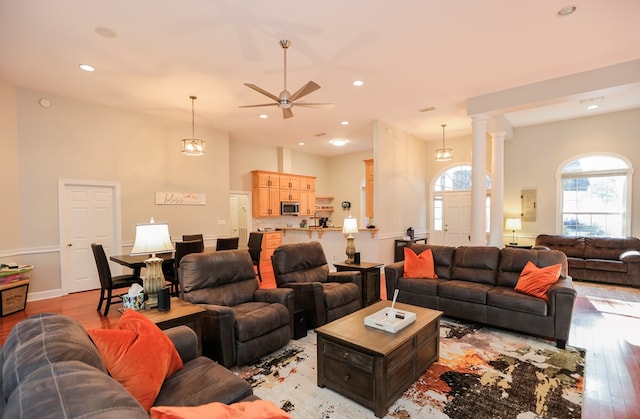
243	323
324	295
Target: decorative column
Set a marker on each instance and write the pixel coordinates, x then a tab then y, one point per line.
478	180
496	232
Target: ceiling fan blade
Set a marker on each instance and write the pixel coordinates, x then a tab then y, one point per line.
315	105
257	106
261	90
310	87
287	113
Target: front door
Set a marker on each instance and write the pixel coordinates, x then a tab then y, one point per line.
89	213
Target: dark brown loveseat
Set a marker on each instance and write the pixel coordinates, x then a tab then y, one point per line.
477	283
598	259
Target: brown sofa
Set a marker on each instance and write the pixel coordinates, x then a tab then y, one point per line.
477	283
598	259
51	369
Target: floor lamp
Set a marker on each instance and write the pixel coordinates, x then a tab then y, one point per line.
150	239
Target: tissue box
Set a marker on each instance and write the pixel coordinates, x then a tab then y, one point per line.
135	302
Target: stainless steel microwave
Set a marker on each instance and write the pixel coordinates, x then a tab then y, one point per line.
289	208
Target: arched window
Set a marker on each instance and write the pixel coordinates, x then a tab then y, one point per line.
596	197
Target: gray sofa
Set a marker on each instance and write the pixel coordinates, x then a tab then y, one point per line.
599	259
477	283
51	369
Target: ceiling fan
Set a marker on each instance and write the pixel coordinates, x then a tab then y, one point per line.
286	100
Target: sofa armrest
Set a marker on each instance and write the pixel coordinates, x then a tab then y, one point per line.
308	296
540	247
345	276
284	296
218	334
630	256
185	340
392	273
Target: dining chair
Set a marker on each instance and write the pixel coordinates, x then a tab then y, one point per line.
192	237
183	248
228	243
255	248
108	283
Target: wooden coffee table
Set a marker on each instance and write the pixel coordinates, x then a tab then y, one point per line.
181	313
371	366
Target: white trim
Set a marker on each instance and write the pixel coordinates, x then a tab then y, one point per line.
45	295
29	251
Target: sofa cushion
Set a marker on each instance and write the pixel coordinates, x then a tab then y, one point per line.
71	389
575	263
257	409
126	352
201	381
42	340
536	281
418	265
609	248
339	294
605	265
419	285
442	257
570	246
476	264
256	318
472	292
510	299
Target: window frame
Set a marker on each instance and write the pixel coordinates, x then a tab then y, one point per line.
627	198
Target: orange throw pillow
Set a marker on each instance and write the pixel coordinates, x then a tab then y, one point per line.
138	355
418	266
537	281
257	409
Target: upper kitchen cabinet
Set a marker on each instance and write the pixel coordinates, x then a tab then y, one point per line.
265	194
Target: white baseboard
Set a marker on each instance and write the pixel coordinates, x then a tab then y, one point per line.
44	295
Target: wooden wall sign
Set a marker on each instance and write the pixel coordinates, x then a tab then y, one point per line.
181	198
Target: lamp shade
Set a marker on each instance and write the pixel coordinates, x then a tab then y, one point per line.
350	225
152	238
513	224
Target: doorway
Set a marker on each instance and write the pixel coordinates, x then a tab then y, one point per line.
89	212
239	217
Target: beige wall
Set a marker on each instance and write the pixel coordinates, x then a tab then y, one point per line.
533	158
10	240
346	174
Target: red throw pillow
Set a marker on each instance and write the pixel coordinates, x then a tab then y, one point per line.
257	409
537	281
138	355
418	266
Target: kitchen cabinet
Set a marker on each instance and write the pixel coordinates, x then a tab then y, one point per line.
307	183
270	241
307	203
265	194
289	194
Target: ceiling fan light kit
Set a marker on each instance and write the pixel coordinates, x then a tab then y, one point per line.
193	146
286	100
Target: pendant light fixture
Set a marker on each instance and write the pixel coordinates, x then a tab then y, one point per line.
444	154
192	146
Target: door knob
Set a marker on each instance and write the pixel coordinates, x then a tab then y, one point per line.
69	244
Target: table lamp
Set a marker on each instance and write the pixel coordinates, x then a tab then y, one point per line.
350	227
513	224
152	238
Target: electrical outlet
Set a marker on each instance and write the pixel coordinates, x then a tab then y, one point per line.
221	222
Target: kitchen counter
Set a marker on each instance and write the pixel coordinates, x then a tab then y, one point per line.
320	231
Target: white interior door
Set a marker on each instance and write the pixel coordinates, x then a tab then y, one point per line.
239	214
457	218
89	213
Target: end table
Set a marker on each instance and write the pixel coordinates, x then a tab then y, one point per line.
370	272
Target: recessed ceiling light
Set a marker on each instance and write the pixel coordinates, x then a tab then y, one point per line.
339	142
105	32
87	67
300	143
344	123
264	116
591	107
358	83
567	10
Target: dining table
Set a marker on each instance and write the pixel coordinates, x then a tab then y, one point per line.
137	262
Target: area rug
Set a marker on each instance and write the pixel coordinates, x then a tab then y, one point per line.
482	373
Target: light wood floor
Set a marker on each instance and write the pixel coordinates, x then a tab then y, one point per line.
606	322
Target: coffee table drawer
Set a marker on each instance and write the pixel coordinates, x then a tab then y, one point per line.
350	381
348	357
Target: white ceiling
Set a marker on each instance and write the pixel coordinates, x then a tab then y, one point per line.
411	55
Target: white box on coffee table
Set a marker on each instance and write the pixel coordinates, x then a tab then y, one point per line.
390	319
